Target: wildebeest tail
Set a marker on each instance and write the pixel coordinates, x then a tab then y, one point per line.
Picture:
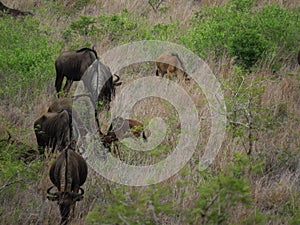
144	136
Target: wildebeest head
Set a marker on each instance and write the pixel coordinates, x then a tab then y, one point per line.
121	128
72	65
53	130
169	64
65	200
67	173
98	80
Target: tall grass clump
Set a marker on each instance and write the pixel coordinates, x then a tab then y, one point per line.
129	205
26	57
120	28
242	30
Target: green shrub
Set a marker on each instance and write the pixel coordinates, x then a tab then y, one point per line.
134	206
218	195
84	26
26	57
248	46
121	28
242	31
14	172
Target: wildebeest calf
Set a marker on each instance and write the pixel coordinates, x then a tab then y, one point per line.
119	129
68	173
169	64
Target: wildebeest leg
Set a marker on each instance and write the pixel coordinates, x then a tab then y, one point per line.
68	86
64	221
98	123
185	76
72	214
116	150
157	72
170	71
58	82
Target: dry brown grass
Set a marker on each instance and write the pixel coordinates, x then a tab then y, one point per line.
275	186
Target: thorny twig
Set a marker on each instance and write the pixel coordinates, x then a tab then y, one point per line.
156	6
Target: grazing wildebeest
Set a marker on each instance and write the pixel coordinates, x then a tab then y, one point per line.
99	82
72	65
61	104
14	12
119	129
53	130
169	64
67	173
77	127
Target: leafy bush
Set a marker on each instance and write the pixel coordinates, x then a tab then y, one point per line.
14	172
242	31
220	194
26	57
84	26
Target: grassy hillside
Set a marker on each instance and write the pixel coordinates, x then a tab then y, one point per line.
251	47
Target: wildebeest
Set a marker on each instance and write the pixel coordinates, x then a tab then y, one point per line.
14	12
99	82
68	173
119	129
169	64
77	127
53	130
72	65
60	104
299	57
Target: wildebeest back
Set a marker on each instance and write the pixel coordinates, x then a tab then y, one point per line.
53	130
98	80
69	168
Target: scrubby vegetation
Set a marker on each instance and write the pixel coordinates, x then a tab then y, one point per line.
251	46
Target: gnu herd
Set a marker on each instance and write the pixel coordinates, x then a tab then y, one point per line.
57	132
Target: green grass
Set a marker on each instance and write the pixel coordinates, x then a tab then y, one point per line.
26	58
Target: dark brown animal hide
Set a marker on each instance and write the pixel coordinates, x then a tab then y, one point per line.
4	10
52	130
68	173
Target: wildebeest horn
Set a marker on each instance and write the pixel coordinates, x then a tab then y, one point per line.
116	83
52	196
78	196
81	191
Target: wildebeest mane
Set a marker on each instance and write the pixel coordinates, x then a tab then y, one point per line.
88	49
